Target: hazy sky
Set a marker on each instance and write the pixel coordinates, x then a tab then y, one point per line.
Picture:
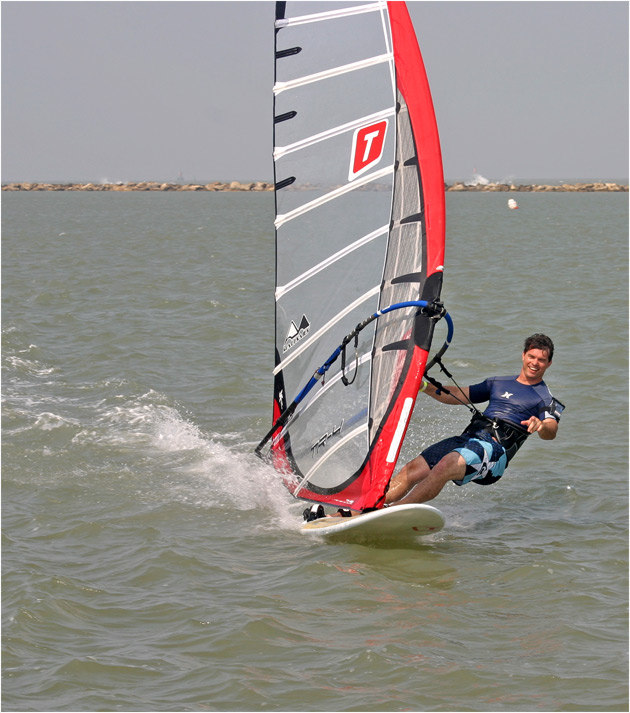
146	90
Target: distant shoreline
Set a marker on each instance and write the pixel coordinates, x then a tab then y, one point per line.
261	186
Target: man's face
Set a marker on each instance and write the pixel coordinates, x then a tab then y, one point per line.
535	364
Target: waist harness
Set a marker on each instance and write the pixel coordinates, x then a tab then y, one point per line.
509	435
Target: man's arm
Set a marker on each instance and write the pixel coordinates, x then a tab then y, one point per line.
457	396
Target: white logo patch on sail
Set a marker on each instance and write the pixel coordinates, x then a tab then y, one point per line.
296	334
367	148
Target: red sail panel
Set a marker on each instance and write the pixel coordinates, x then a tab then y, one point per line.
413	84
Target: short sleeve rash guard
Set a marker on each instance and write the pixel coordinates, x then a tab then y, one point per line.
513	401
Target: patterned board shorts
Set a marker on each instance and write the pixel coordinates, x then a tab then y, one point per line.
485	459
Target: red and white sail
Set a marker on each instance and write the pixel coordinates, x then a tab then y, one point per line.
359	227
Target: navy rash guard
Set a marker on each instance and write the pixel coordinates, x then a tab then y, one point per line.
512	401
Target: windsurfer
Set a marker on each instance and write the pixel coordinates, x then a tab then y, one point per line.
518	406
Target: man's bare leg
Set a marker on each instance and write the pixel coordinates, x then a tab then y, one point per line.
427	486
417	483
409	475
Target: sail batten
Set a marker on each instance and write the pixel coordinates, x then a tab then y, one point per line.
332	195
330	15
283	289
359	226
281	151
333	72
330	452
327	327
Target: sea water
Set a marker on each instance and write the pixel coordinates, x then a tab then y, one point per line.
152	563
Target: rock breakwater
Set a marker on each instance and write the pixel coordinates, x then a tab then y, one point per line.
141	186
540	188
257	186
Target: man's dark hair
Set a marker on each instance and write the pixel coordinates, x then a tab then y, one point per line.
539	341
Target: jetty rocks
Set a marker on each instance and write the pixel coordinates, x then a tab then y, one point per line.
542	188
258	186
141	186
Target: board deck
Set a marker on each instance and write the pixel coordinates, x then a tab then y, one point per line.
402	523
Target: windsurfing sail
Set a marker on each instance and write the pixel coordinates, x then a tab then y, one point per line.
360	218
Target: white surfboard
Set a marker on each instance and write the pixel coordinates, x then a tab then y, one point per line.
402	523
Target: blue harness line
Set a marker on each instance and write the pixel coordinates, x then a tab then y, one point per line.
433	309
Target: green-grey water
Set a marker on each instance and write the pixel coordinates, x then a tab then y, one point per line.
152	563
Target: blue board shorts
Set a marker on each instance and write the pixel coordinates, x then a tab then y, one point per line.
485	458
